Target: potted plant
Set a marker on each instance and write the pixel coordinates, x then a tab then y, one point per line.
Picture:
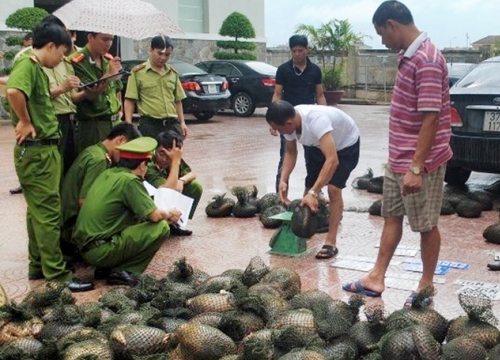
332	83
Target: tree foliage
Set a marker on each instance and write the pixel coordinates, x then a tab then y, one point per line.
25	18
237	26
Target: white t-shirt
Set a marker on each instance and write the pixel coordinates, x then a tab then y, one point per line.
317	120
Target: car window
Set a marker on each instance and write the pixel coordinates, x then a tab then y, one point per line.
202	66
225	69
458	69
184	68
262	67
486	74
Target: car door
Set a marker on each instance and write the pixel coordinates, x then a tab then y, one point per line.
230	72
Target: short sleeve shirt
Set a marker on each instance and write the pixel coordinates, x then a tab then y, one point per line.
299	88
155	93
421	86
115	201
28	76
62	103
107	103
157	176
317	120
89	164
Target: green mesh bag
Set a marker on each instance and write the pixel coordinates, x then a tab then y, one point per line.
447	208
97	348
236	274
454	197
238	324
77	336
297	325
259	345
16	322
483	198
293	337
167	324
323	216
304	222
376	208
252	196
182	272
303	354
494	352
492	233
341	348
55	330
202	342
268	200
117	301
164	356
399	344
361	182
367	334
254	272
376	185
265	216
285	279
243	207
127	340
469	208
22	348
464	348
48	295
221	302
220	206
266	289
215	284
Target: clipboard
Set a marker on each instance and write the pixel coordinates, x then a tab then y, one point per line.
95	82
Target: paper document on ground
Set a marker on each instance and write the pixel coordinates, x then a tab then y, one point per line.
452	264
405	250
440	270
167	199
150	188
477	284
401	284
351	265
480	292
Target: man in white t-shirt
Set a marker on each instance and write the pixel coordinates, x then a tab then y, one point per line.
335	138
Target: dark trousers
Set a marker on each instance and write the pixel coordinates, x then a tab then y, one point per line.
307	158
67	144
152	127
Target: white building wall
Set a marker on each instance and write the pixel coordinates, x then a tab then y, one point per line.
7	7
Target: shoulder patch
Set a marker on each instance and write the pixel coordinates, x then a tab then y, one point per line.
108	56
34	59
171	68
138	67
77	58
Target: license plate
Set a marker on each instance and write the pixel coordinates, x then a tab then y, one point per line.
212	88
491	121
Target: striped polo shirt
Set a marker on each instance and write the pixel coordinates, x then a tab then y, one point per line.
421	86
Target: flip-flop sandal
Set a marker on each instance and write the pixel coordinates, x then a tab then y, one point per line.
411	299
357	288
327	252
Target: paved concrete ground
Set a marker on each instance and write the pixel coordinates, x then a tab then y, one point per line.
229	151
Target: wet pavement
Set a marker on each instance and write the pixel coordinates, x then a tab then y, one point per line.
229	151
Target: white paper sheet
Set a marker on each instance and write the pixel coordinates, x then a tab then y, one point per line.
167	199
149	188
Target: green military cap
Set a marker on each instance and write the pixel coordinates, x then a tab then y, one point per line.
140	148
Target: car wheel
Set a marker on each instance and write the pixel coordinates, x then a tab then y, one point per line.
204	115
243	104
456	176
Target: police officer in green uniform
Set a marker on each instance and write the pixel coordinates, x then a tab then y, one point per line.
169	170
157	89
36	155
119	228
89	164
100	108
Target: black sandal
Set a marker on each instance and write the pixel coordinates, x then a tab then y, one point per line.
327	252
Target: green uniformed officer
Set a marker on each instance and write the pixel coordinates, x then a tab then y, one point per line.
169	170
99	110
89	164
119	228
36	155
157	89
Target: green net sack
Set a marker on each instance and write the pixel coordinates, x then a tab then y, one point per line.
238	324
221	302
244	208
304	222
97	348
127	340
220	206
342	348
254	272
285	279
266	214
361	182
464	348
267	201
259	345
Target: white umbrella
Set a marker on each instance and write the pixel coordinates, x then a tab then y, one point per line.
133	19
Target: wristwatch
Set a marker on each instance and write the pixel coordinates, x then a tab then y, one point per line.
415	170
313	193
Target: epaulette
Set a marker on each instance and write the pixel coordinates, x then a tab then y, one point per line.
108	56
172	69
34	59
77	58
138	67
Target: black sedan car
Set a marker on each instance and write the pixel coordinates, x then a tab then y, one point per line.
457	70
475	117
206	93
251	82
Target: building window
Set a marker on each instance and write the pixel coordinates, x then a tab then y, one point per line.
192	16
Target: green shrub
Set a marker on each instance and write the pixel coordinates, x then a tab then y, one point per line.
25	18
240	45
13	40
9	55
332	78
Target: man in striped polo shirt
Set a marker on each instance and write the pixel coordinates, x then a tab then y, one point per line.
419	135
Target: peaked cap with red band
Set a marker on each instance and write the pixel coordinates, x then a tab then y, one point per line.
138	149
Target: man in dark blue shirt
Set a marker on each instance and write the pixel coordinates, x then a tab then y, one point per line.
298	81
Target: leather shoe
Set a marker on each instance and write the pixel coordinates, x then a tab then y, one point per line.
121	277
177	231
101	273
495	266
77	285
17	190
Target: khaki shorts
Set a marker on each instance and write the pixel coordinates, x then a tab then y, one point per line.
423	208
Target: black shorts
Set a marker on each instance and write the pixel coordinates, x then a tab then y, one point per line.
348	159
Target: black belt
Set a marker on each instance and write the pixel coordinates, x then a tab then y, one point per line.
103	118
164	121
92	245
44	142
63	117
